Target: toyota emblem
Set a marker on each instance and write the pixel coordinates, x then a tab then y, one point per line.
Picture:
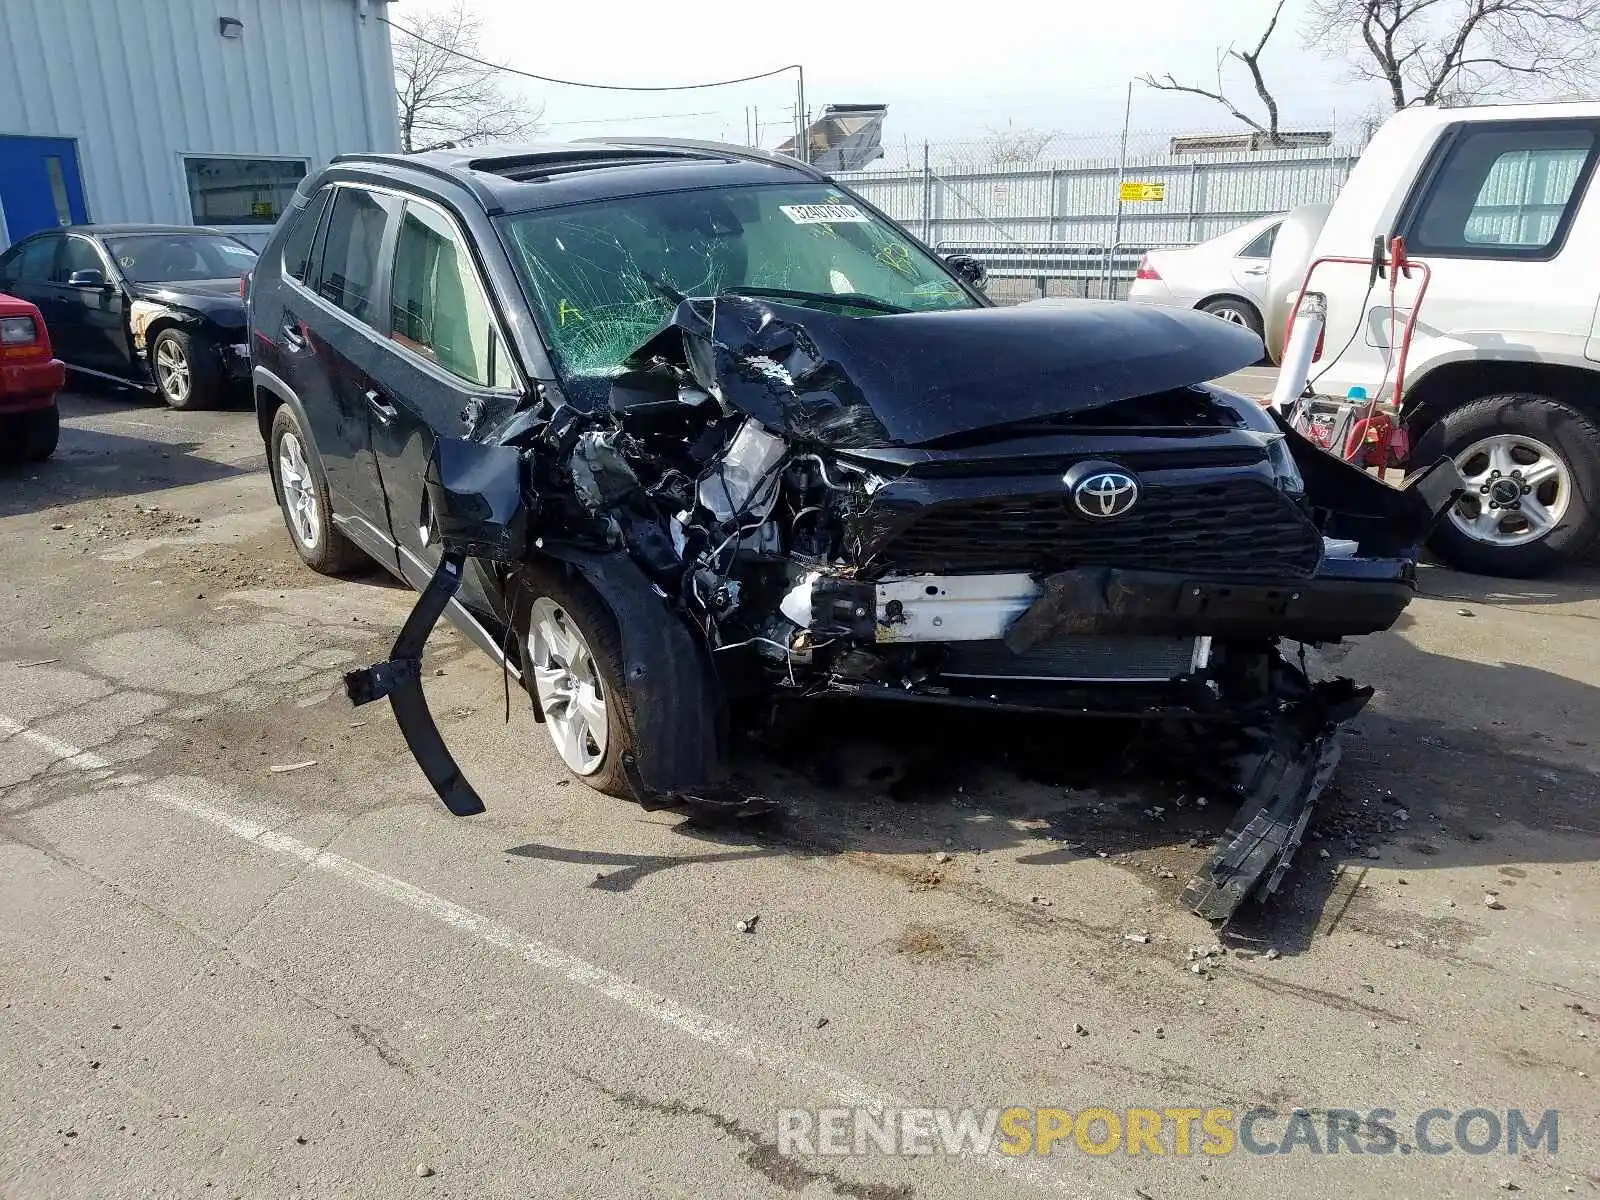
1106	494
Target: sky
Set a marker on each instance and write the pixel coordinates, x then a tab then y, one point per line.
946	71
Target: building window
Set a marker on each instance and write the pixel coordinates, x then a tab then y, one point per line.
241	191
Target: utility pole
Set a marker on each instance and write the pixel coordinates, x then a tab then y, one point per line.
802	143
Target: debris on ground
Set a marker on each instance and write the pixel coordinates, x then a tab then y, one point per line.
1492	900
1080	1030
748	925
1274	952
822	1022
1141	937
285	768
943	857
424	1171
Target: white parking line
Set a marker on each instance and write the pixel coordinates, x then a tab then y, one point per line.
738	1043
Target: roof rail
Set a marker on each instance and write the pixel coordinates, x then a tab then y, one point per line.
728	149
483	195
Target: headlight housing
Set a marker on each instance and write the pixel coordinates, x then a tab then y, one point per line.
1284	468
18	331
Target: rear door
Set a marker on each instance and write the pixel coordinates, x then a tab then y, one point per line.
329	331
448	356
1250	265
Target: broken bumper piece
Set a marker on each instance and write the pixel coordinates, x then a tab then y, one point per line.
400	681
1278	782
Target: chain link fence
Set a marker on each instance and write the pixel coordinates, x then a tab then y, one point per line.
1052	215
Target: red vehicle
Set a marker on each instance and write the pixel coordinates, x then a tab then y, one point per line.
30	377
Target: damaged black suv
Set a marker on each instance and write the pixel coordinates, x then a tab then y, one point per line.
681	430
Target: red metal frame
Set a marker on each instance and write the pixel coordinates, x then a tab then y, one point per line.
1396	266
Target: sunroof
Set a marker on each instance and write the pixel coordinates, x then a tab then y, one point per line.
528	167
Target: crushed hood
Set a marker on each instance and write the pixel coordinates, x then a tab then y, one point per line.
913	378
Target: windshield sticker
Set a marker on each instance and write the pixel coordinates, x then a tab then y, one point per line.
823	214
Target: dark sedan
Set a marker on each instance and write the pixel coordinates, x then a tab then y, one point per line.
154	306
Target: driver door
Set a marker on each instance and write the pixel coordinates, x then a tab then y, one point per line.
93	321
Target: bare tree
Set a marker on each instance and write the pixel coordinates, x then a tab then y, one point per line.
1458	51
999	148
446	98
1267	127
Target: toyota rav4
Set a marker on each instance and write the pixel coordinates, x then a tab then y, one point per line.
679	430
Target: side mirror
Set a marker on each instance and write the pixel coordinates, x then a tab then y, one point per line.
90	279
969	268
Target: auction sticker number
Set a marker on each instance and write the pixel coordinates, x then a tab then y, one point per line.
824	214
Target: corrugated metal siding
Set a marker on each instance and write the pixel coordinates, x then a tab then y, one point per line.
141	83
1523	197
1075	202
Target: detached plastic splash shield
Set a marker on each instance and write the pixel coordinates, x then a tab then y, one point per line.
1279	786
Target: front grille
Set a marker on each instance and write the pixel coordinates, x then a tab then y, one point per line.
1232	527
1093	657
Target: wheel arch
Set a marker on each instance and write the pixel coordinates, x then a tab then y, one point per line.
1231	297
271	393
1457	382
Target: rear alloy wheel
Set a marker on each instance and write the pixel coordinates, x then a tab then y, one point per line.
185	369
1532	468
303	497
1235	312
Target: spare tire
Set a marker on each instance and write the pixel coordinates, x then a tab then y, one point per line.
1286	270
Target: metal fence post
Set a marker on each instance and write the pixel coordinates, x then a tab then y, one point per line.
927	197
1122	175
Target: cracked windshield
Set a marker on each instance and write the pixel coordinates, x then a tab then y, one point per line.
607	276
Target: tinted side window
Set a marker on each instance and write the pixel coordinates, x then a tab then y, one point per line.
1261	246
303	235
77	254
1503	191
349	274
32	261
437	308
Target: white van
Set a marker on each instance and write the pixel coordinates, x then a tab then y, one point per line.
1504	367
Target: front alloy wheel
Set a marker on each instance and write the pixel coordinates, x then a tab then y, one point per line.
1518	490
174	375
569	687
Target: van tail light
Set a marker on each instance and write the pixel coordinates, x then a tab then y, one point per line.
1146	271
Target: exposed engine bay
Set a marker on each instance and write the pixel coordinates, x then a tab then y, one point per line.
1038	508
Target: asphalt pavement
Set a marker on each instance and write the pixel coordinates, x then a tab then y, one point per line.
245	952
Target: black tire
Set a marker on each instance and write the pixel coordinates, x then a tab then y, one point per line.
1574	436
30	436
201	385
328	552
578	604
1235	312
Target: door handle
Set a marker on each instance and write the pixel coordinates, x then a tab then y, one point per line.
381	408
292	336
1256	270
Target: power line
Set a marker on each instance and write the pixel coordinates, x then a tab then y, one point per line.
605	87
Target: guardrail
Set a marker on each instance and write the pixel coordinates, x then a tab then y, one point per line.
1097	267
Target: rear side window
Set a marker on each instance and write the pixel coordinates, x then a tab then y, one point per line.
437	308
1261	247
349	275
1502	190
33	261
303	235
